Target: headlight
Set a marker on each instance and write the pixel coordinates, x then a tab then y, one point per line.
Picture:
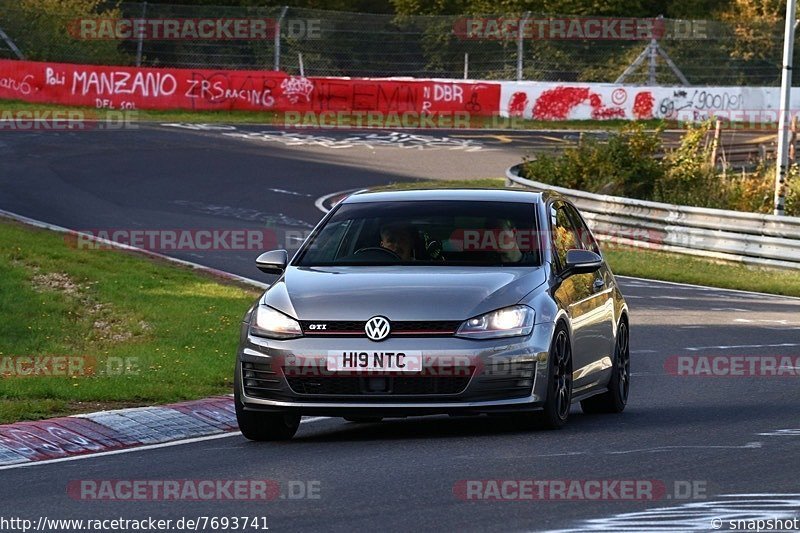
267	322
507	322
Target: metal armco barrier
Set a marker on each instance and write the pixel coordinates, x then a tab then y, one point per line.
751	238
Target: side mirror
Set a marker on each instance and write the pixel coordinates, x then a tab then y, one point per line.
273	262
582	262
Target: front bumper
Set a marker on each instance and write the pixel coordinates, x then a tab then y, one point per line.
466	376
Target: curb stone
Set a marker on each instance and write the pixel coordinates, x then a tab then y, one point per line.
56	438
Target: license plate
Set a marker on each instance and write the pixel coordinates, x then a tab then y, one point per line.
373	361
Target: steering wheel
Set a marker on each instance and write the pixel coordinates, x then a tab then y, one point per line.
377	251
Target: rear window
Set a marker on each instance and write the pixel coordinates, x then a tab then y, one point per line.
439	233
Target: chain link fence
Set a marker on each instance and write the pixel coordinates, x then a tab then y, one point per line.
329	43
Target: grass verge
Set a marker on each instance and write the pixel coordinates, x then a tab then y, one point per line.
681	268
137	331
652	264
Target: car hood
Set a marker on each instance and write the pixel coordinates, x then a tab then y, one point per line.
399	293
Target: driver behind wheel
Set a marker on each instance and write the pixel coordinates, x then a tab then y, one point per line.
399	238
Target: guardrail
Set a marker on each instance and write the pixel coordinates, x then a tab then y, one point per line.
751	238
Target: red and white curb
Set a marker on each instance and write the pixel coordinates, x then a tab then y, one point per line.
104	431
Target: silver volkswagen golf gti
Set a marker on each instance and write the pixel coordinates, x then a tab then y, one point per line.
421	302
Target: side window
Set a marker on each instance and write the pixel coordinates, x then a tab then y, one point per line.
330	237
584	235
564	235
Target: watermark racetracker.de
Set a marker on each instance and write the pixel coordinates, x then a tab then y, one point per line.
66	366
516	490
171	240
193	489
192	29
27	120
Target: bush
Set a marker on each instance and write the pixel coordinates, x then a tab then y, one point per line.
750	192
689	177
793	193
40	28
633	164
623	166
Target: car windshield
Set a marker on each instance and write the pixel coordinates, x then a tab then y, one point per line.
439	233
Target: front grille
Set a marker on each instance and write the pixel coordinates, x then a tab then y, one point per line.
355	328
383	386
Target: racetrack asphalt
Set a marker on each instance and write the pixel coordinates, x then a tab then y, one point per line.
737	439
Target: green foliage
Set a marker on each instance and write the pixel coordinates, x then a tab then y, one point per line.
689	177
41	29
793	193
623	166
633	163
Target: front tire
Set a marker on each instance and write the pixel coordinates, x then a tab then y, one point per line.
559	384
266	426
615	398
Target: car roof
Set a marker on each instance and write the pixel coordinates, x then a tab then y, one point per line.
475	195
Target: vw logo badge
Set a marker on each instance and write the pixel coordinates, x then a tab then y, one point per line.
377	328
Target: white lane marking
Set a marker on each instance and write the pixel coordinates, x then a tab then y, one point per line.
143	448
705	288
782	433
735	309
782	322
319	203
658	449
644	351
201	127
698	515
737	346
292	193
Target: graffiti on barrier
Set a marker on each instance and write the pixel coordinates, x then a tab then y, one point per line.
297	87
643	105
558	103
144	84
22	87
600	101
220	88
698	104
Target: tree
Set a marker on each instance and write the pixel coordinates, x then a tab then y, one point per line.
46	30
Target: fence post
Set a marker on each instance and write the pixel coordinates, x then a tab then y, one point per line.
300	62
520	48
715	143
277	38
140	37
782	155
466	65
